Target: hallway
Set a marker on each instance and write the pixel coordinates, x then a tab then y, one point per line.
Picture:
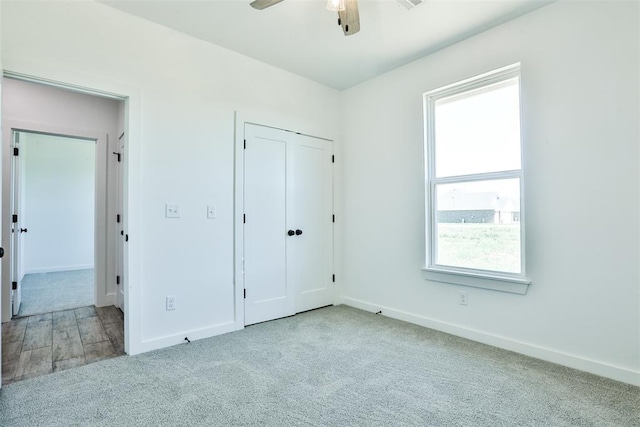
45	343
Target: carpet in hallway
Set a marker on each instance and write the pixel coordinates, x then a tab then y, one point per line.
61	290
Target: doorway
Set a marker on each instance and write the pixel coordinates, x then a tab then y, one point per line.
58	118
53	223
43	109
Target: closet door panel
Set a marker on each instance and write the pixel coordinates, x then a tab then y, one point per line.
268	293
310	199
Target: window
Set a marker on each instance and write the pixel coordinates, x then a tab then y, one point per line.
474	182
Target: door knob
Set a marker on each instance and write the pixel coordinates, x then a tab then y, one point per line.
291	232
23	230
298	232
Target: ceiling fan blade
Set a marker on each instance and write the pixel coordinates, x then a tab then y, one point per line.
349	18
263	4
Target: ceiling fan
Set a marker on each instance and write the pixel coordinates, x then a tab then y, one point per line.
348	15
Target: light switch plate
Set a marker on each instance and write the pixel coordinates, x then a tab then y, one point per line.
463	298
171	302
172	210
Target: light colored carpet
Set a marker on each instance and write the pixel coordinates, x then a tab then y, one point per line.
336	366
47	292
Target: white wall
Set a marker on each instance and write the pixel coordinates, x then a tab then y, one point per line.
580	97
59	203
37	107
180	148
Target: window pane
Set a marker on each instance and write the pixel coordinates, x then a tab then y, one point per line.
478	225
478	131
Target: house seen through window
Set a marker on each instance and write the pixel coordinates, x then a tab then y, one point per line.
474	176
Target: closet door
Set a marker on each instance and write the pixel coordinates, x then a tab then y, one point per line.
269	293
310	206
288	242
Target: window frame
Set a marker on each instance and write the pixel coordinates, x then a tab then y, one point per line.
488	279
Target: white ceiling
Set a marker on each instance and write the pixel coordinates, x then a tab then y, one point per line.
301	36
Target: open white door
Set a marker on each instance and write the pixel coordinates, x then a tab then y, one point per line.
119	302
16	230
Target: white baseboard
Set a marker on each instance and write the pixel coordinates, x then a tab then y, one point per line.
197	334
105	300
57	269
572	361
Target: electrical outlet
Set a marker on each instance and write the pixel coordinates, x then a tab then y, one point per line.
211	211
463	298
172	211
171	302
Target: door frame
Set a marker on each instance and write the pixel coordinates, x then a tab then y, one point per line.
120	239
101	239
240	120
102	86
15	243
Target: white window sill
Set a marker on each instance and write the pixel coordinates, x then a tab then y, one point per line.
485	281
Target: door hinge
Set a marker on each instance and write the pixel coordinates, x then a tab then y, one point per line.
244	218
16	150
333	158
245	144
333	218
245	294
14	285
118	218
333	279
117	280
14	218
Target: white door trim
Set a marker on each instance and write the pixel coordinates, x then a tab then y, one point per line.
132	98
100	235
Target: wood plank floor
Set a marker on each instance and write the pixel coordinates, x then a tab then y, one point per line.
45	343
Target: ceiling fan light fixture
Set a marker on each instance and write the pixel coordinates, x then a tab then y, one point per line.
336	5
